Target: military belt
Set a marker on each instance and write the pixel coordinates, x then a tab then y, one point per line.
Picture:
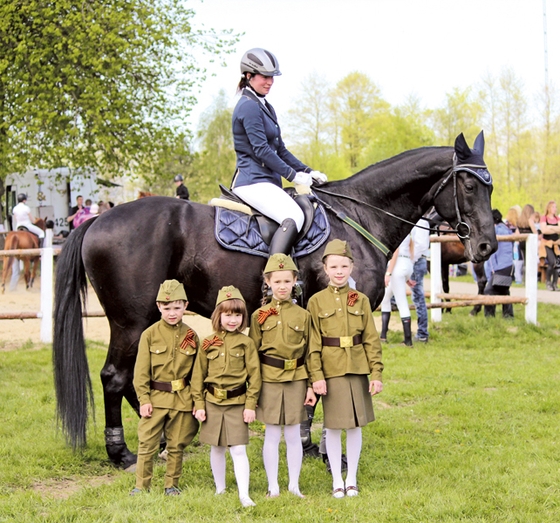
280	363
224	394
169	386
343	341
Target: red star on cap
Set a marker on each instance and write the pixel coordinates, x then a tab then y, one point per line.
228	294
281	265
167	298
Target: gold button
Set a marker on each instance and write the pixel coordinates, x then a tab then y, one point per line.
279	322
356	312
297	328
222	354
339	310
157	351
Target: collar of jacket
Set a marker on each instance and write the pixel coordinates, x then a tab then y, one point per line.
250	94
334	288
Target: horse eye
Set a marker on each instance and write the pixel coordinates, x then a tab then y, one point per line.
469	187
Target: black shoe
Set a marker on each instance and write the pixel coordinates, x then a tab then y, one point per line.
343	463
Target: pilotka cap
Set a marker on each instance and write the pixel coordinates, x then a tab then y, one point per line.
279	262
171	290
339	247
229	293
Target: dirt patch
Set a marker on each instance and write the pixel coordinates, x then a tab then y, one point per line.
66	487
16	334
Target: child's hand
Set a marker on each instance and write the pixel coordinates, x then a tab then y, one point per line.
146	410
375	387
200	415
320	387
249	416
310	398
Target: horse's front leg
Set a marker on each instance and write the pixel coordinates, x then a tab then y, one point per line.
116	377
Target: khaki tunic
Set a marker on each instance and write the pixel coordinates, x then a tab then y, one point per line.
284	336
161	358
331	316
227	366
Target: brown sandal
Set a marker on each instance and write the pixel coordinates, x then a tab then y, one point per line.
351	491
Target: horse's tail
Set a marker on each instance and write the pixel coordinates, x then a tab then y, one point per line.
71	372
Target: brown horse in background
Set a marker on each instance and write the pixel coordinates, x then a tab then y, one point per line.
22	240
453	253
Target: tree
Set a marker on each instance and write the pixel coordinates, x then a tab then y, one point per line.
216	161
97	83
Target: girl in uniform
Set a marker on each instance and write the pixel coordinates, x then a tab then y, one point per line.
344	348
225	385
280	331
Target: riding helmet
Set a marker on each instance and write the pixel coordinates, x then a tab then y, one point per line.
21	197
178	178
260	61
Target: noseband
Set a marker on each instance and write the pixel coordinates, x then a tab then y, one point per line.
463	229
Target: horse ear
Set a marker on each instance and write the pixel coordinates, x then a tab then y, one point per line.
478	147
462	149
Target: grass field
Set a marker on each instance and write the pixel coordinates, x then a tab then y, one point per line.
467	429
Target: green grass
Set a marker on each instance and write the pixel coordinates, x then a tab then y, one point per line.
467	430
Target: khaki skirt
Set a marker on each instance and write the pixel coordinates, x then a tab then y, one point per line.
347	404
282	403
224	426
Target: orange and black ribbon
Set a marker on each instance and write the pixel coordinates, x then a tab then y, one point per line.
189	339
209	342
263	315
352	298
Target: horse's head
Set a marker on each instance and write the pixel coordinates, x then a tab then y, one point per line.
463	199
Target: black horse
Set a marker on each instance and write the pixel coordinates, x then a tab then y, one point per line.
129	251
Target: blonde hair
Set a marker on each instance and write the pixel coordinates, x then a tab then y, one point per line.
512	216
548	205
235	306
525	215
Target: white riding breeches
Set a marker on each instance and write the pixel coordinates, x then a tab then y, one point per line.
32	228
397	287
272	201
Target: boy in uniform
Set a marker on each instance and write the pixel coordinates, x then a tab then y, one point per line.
162	374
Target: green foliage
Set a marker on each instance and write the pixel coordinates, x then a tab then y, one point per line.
96	83
216	162
466	430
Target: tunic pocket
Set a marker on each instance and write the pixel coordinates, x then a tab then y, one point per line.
236	358
269	331
355	319
158	356
295	333
329	322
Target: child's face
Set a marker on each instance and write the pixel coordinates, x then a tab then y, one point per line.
281	284
231	320
338	269
172	312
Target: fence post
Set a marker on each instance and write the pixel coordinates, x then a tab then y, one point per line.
531	261
47	287
435	279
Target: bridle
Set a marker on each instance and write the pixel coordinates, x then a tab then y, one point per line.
463	229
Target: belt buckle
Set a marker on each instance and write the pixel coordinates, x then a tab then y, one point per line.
290	364
221	394
346	341
177	385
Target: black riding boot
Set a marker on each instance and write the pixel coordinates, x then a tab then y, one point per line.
407	331
41	240
284	238
385	317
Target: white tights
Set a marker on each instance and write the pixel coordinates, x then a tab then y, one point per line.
294	456
334	452
240	467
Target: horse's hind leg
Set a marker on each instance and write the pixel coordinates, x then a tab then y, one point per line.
116	377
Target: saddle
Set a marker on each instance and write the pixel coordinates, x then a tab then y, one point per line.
240	227
24	228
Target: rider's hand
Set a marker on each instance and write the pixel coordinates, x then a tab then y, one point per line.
302	178
319	176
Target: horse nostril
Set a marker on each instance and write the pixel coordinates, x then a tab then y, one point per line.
484	249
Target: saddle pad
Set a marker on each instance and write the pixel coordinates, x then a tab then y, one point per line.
239	232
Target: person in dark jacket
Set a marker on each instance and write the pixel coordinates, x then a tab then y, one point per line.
262	157
181	192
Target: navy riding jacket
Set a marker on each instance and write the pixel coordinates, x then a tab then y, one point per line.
261	153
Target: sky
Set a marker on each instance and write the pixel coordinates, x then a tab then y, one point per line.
424	48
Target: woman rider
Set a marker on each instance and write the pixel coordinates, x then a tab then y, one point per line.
262	157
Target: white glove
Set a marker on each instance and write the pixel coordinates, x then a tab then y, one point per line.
302	178
319	176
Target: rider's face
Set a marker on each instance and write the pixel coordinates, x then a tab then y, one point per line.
261	84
